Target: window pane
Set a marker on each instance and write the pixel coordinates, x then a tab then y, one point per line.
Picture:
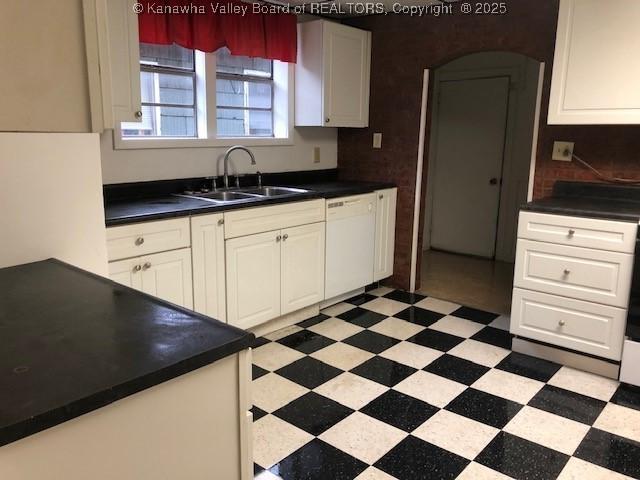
244	123
166	56
162	122
238	93
227	63
166	88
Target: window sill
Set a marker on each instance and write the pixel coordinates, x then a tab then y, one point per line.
153	143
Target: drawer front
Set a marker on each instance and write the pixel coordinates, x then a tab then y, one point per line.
593	275
578	231
574	324
150	237
248	221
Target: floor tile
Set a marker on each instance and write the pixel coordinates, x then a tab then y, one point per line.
306	341
260	341
257	413
457	434
272	392
400	410
484	407
335	329
457	369
257	372
361	298
547	429
405	297
416	459
372	473
283	332
396	328
309	372
503	322
385	306
527	366
318	460
437	305
266	452
371	341
568	404
434	339
476	315
627	396
383	371
620	420
457	326
313	413
522	459
273	356
508	385
337	309
411	354
430	388
584	383
419	316
380	291
266	475
479	352
577	469
342	356
610	451
494	336
361	317
351	390
475	471
314	320
363	437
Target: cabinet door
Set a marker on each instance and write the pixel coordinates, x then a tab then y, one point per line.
127	272
302	266
385	233
207	251
119	52
167	276
253	279
596	67
346	62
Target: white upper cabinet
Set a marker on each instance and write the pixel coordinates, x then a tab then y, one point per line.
332	75
596	68
385	233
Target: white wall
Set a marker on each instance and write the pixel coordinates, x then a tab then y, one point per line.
131	165
51	200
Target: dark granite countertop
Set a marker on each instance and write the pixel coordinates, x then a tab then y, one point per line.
72	342
132	210
595	200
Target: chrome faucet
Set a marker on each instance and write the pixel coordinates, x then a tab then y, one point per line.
226	161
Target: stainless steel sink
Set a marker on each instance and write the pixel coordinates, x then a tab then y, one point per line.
239	195
273	191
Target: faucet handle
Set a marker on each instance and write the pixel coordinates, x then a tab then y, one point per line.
259	174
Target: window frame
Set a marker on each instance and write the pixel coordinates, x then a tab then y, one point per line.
206	75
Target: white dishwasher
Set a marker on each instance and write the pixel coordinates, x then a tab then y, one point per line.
351	223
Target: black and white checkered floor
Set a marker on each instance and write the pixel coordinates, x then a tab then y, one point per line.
391	385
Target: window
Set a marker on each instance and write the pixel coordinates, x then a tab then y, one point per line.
168	84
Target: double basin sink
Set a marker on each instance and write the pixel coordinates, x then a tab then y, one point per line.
242	194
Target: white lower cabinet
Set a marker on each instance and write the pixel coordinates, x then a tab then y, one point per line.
385	233
207	250
253	279
166	275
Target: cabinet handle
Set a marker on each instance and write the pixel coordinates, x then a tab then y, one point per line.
327	120
137	268
138	114
570	233
285	236
380	196
561	323
221	221
139	241
566	271
278	238
146	266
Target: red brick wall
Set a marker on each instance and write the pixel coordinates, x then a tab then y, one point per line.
402	47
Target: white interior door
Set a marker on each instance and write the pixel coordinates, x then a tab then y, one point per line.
470	135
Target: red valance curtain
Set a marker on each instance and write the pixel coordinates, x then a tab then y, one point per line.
207	26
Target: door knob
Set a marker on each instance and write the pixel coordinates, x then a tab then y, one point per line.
137	268
566	271
285	236
561	323
493	181
139	241
571	233
146	266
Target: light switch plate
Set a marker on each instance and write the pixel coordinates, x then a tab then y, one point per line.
377	140
562	151
316	154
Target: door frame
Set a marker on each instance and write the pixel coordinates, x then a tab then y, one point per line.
417	212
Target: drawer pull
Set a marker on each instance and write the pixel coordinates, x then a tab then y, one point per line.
137	268
571	233
566	271
561	323
146	266
139	241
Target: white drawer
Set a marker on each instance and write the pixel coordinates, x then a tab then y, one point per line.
149	237
593	275
574	324
247	221
578	231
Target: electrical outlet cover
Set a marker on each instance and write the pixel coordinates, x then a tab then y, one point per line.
377	140
562	151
